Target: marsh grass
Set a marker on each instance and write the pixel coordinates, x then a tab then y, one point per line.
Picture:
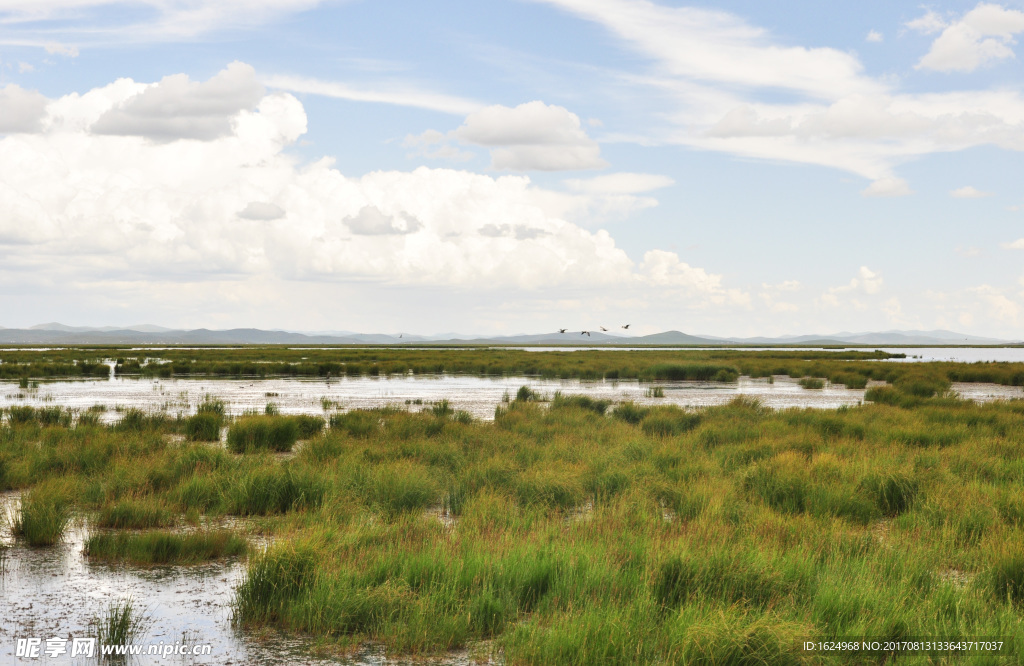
134	514
122	623
43	516
584	402
812	383
262	433
272	490
652	535
163	547
203	427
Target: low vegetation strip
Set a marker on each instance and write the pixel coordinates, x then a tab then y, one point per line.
579	532
163	547
853	369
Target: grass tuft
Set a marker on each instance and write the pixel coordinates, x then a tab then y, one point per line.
122	624
262	433
162	547
43	516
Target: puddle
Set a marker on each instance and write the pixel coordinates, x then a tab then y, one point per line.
476	395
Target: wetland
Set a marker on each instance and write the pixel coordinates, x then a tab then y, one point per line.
489	508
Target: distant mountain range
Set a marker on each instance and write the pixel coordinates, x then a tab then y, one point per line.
148	334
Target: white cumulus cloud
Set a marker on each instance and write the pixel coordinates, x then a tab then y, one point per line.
121	210
968	192
177	107
887	187
982	36
262	211
532	136
928	23
20	110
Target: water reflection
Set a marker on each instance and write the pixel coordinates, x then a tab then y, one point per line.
477	395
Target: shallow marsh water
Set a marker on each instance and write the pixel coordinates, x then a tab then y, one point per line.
56	592
476	395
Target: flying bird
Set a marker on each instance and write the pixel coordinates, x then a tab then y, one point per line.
562	330
602	328
587	333
626	327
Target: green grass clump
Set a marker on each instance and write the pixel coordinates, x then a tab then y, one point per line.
630	412
894	493
397	490
134	514
580	402
702	372
136	420
21	415
1007	578
43	416
43	516
162	547
308	425
925	386
669	421
212	405
123	623
271	490
812	383
262	433
728	577
203	427
356	424
276	579
527	394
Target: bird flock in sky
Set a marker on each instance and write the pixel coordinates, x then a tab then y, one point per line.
587	333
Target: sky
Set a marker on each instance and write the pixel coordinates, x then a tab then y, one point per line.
734	168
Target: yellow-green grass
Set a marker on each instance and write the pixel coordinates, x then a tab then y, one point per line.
163	547
262	433
43	515
134	513
122	623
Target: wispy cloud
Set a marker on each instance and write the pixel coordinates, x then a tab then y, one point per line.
77	23
399	95
723	75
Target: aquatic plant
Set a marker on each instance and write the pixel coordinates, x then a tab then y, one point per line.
163	547
584	402
122	623
203	427
134	514
270	489
262	433
43	516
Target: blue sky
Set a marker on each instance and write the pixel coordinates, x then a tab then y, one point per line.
745	168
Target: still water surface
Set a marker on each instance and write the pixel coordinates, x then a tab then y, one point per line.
57	592
477	395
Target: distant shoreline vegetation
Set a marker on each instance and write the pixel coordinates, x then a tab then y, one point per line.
853	369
